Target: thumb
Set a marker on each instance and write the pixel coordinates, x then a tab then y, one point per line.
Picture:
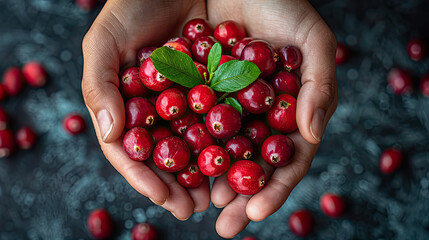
100	83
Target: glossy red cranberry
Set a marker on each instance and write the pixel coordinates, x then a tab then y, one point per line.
277	150
286	82
400	81
4	119
246	177
238	48
190	176
198	138
201	99
171	154
3	94
100	224
138	144
257	131
181	124
74	124
143	231
202	47
171	104
282	116
258	97
228	33
239	147
223	121
25	138
182	40
214	161
13	81
202	70
131	85
390	160
424	85
416	48
151	78
226	58
144	54
196	28
87	5
178	47
301	222
35	74
249	238
7	143
291	57
342	54
159	132
332	205
140	112
263	55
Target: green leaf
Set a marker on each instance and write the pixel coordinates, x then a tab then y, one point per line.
214	57
234	102
176	66
234	75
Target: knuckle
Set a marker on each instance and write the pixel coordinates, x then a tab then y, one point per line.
329	89
90	93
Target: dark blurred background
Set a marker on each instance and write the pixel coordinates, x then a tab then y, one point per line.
47	192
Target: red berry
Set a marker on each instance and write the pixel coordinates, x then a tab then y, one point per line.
35	74
277	150
257	131
143	231
13	81
151	78
424	85
223	121
228	33
3	94
246	177
7	143
390	160
263	55
171	104
400	81
180	125
202	47
100	224
202	70
138	144
140	112
201	99
342	54
282	116
190	176
26	138
286	82
86	5
144	54
131	85
182	40
226	58
239	147
249	238
332	205
178	47
160	132
171	154
301	222
196	28
416	48
258	97
198	138
4	119
74	124
238	47
291	57
214	161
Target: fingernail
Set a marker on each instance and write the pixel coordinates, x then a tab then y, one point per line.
172	213
157	203
105	123
316	125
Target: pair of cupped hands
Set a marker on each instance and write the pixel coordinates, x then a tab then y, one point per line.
125	26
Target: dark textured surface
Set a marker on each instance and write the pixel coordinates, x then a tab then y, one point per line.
46	193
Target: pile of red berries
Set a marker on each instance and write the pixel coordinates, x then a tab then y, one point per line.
195	110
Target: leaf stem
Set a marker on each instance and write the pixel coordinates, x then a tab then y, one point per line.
210	78
222	97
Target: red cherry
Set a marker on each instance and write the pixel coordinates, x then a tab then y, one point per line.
301	222
138	144
282	116
13	81
171	104
190	176
239	147
196	28
342	54
171	154
201	99
286	82
151	78
198	138
35	74
74	124
390	160
144	54
400	81
291	57
180	125
143	231
332	205
246	177
228	33
100	224
26	138
223	121
277	150
416	48
159	132
214	161
7	143
140	112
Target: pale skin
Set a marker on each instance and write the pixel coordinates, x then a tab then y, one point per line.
124	26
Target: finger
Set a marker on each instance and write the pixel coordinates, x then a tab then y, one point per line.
233	218
282	182
222	193
201	196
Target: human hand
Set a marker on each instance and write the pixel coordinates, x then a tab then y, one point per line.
282	23
120	30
